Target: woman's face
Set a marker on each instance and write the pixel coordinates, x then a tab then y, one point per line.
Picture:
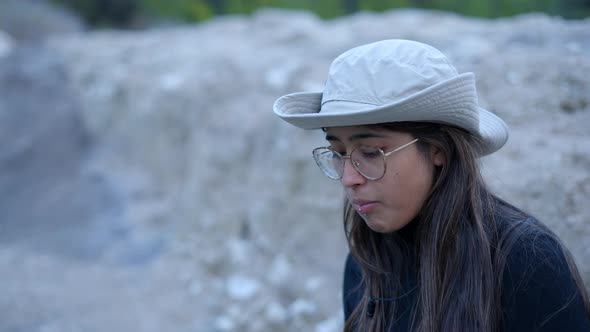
390	203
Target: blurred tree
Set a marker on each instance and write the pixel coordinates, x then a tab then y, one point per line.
218	6
329	8
122	13
187	10
350	6
420	3
104	12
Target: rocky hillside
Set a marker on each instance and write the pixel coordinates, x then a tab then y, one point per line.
145	184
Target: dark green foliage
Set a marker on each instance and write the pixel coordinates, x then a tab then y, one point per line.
104	12
123	13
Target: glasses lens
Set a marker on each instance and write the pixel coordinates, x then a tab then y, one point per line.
329	162
369	161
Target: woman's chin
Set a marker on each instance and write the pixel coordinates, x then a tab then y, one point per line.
380	225
377	225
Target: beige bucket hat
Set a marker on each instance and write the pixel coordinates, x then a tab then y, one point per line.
393	81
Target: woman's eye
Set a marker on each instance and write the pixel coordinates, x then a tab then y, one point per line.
370	153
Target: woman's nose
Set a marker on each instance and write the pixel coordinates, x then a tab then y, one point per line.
350	175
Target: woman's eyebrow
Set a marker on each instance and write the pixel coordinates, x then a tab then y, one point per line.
357	137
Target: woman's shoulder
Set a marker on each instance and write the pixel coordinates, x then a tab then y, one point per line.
534	257
523	242
529	241
539	291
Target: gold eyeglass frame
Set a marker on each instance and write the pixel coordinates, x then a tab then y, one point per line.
355	164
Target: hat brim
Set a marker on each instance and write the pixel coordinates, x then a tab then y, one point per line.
451	102
493	131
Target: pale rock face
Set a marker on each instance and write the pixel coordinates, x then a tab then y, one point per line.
34	20
203	211
6	44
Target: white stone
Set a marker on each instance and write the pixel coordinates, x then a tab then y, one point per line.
313	284
171	81
242	287
302	307
275	312
332	324
279	270
280	76
6	44
224	323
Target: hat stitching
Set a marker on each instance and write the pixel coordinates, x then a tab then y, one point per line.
459	84
348	101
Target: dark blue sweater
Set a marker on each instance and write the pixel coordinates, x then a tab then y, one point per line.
538	291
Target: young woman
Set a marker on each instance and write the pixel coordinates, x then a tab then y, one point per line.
431	249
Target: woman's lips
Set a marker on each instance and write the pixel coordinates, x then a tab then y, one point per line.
364	207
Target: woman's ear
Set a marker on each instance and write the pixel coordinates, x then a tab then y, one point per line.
437	156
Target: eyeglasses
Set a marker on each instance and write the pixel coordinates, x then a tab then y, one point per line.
369	161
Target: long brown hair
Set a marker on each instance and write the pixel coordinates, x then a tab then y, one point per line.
459	251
